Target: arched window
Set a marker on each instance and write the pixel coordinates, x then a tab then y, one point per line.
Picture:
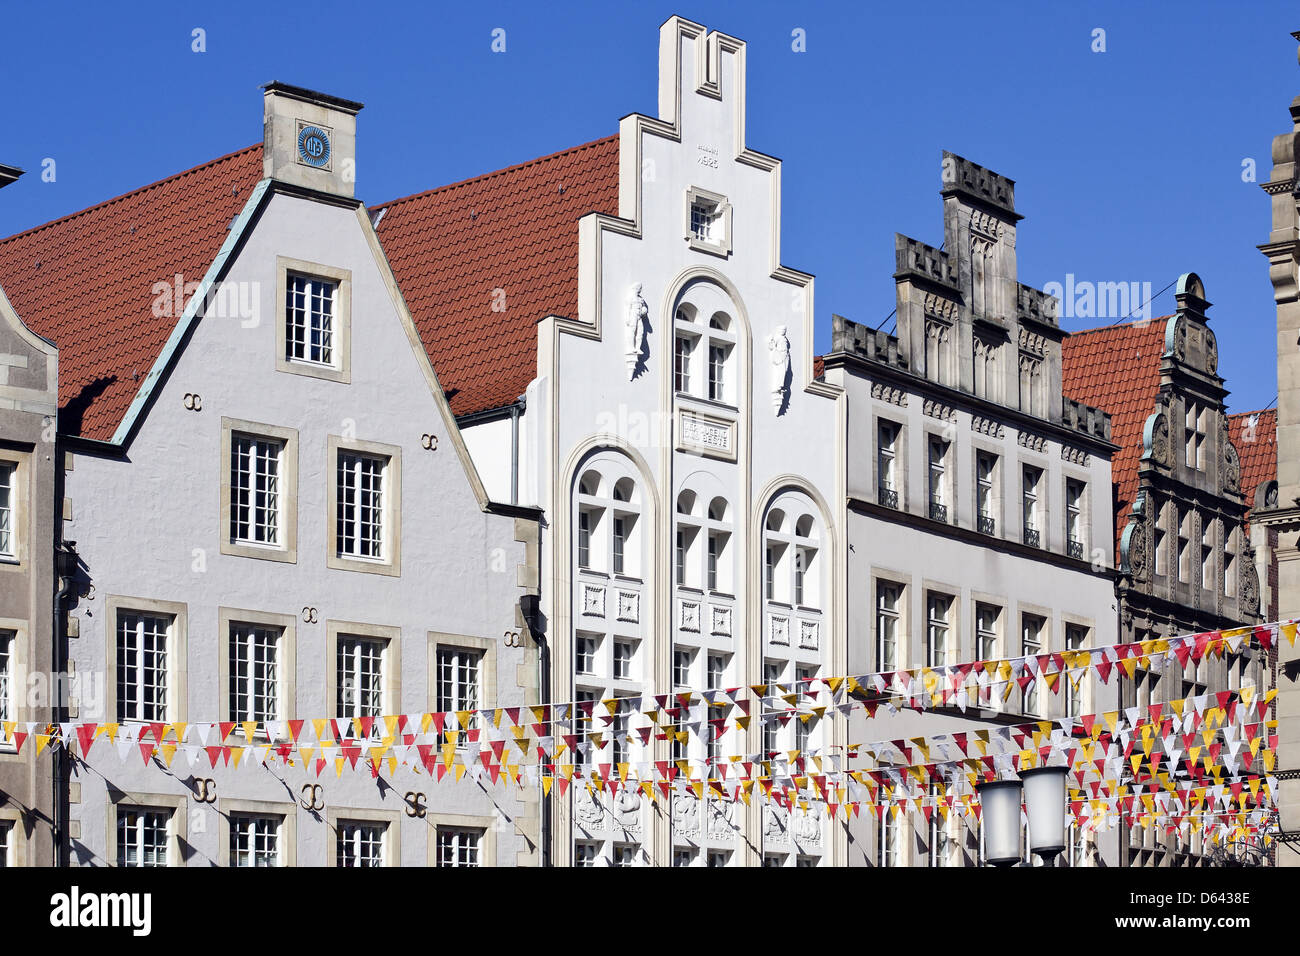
792	557
607	517
704	350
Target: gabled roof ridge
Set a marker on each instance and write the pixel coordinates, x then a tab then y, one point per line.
496	172
1133	323
1257	411
127	195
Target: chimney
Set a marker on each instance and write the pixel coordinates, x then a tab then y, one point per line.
310	139
8	174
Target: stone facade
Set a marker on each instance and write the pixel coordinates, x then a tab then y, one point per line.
978	497
1280	515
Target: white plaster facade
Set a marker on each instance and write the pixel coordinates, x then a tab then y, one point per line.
606	406
146	517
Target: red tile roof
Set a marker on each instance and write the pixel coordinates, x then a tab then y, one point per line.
86	281
1257	447
1117	369
515	230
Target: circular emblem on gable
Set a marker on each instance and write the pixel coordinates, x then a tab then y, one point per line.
314	146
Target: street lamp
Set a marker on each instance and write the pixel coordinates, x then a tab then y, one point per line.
1045	805
1000	820
1042	791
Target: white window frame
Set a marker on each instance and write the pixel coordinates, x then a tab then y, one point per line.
134	818
131	634
389	460
254	829
354	840
889	624
339	366
717	239
10	530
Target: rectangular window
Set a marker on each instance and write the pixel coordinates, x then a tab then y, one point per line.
141	837
360	844
681	556
620	541
254	840
1185	546
6	844
1074	544
1207	556
618	740
717	668
360	677
803	728
716	540
142	666
769	572
1031	646
800	562
624	854
584	539
706	221
254	673
459	846
1194	436
887	618
7	709
1032	477
309	318
719	858
683	347
986	646
582	756
1230	564
623	660
682	668
458	679
585	656
887	840
940	842
773	859
938	473
717	370
886	464
937	627
359	511
986	465
585	853
255	489
8	509
683	857
772	671
1076	639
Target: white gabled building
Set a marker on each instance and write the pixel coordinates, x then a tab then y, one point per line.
274	514
688	461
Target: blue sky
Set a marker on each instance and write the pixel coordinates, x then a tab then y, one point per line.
1128	162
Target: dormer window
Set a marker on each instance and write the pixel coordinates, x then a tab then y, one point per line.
708	222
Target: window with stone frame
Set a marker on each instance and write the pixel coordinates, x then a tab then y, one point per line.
8	510
459	846
143	646
142	836
255	840
8	649
938	628
309	320
986	495
1031	491
360	843
888	486
1076	545
939	479
1032	635
889	606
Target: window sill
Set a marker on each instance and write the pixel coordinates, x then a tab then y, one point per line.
341	562
261	552
329	373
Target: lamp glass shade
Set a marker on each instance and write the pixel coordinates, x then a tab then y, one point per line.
1045	806
1000	820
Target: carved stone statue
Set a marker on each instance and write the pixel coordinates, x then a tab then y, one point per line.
634	330
778	347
